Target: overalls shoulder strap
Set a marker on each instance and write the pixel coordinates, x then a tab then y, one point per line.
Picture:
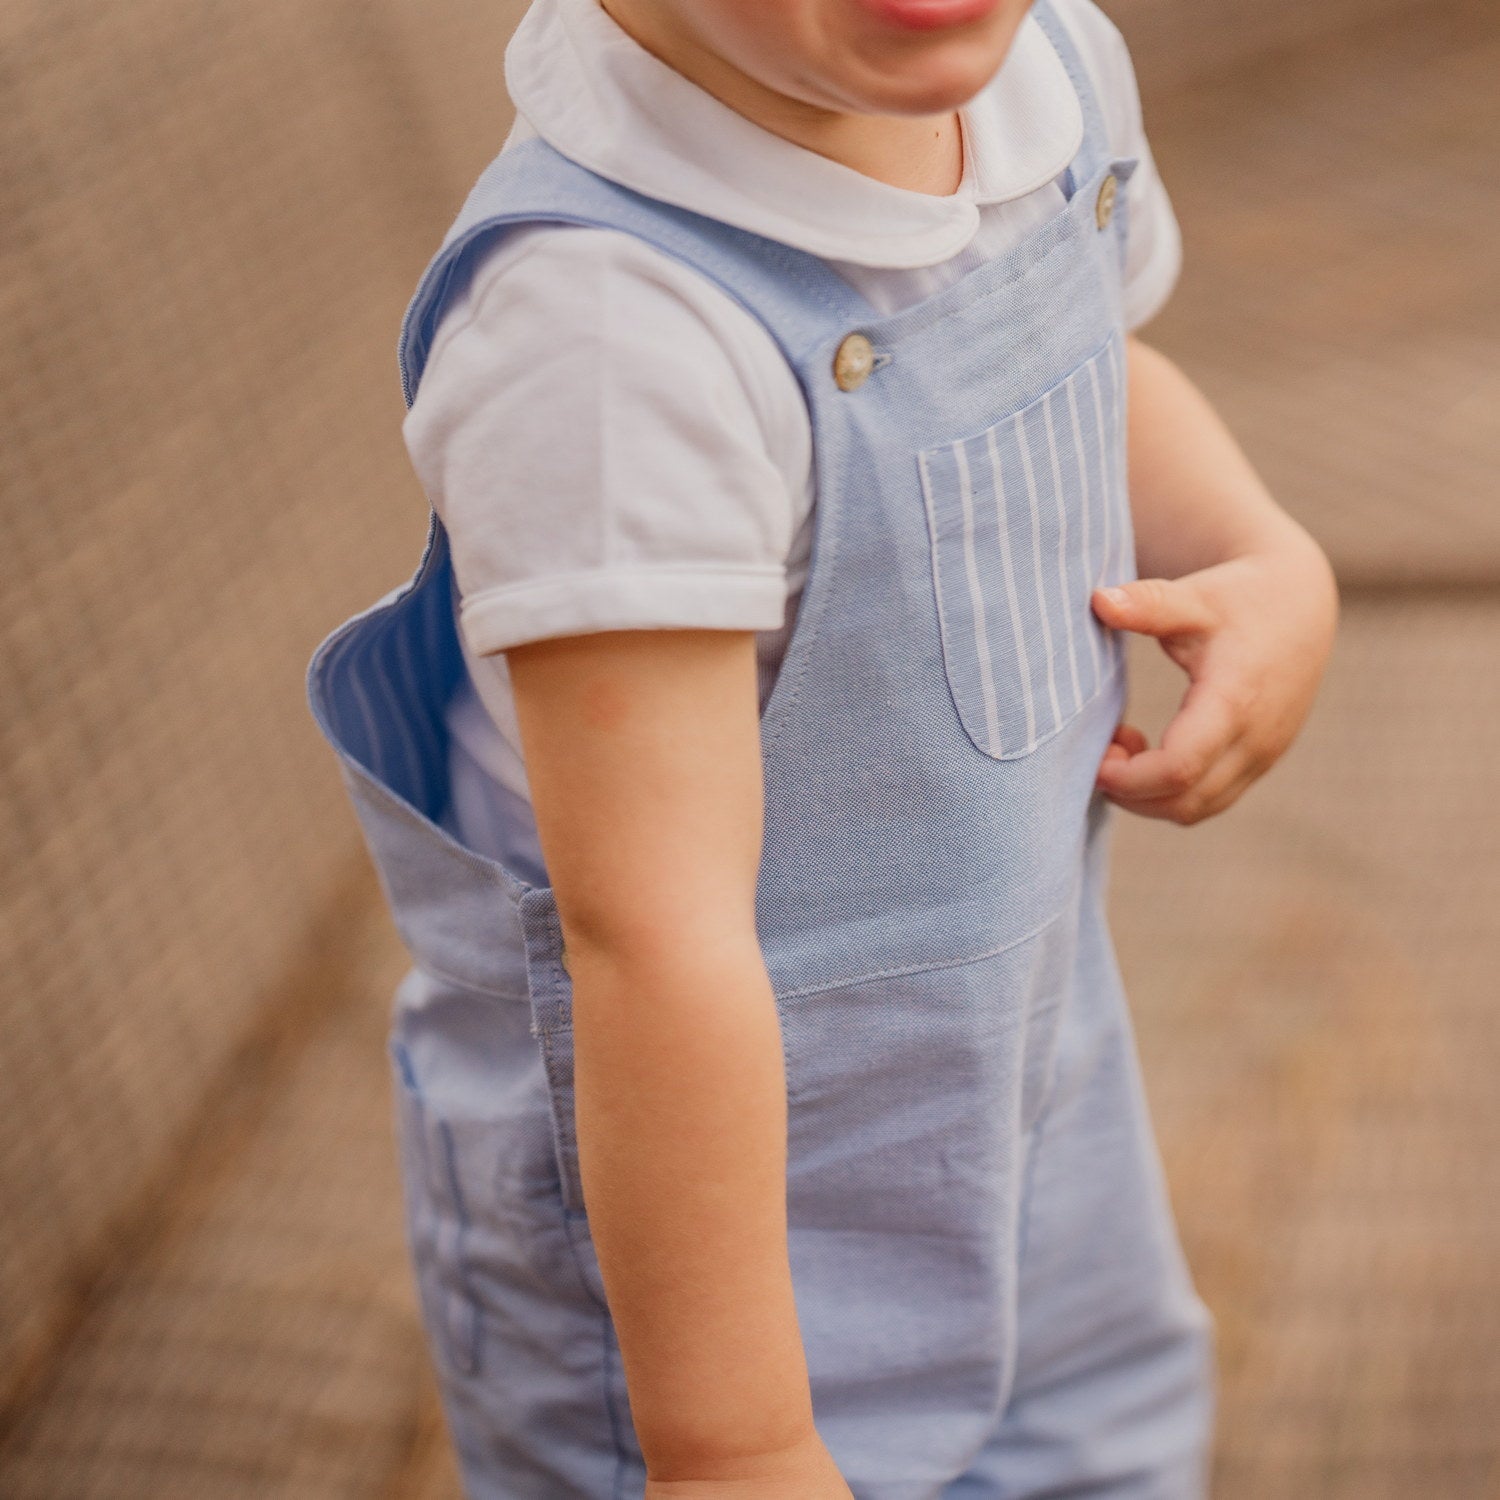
795	294
1095	151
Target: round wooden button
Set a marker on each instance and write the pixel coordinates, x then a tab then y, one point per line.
1104	207
853	362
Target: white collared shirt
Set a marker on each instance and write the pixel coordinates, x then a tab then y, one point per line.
612	441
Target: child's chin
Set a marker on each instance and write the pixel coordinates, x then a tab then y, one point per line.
932	92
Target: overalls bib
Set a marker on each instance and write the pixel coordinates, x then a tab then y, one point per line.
989	1285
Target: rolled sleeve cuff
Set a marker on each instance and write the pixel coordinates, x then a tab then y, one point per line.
674	598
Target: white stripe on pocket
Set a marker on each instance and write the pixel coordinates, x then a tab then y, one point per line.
1060	501
976	595
1086	504
1036	558
1107	577
997	485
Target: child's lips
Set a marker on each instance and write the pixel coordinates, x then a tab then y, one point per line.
928	15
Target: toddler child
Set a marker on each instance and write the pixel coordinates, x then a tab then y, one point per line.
740	761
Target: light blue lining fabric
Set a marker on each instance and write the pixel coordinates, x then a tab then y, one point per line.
961	1077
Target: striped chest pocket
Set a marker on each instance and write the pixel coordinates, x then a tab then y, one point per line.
1026	518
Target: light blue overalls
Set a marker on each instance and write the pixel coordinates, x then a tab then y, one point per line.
992	1296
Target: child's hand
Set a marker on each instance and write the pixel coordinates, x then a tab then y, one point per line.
805	1472
1253	634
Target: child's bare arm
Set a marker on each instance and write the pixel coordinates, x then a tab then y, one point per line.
1239	594
643	756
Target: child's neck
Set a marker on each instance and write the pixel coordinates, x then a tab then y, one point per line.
922	153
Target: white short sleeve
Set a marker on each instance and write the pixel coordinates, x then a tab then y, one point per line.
1153	251
595	427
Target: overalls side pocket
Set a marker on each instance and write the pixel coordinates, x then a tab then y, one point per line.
483	1170
437	1218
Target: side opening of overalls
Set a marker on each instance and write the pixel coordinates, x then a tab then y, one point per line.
991	1291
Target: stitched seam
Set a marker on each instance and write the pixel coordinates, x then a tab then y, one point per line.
821	563
823	987
1023	1213
1091	358
923	968
1108	680
951	671
563	1147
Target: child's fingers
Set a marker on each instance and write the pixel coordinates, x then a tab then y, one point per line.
1155	606
1221	785
1204	727
1127	741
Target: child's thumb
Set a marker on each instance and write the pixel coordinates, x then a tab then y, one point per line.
1152	606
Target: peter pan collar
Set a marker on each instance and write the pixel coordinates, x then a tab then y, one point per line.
593	92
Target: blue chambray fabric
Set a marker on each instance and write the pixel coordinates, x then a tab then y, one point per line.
990	1287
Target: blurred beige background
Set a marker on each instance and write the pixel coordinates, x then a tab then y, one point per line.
211	217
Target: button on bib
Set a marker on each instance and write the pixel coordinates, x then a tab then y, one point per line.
853	362
1104	206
